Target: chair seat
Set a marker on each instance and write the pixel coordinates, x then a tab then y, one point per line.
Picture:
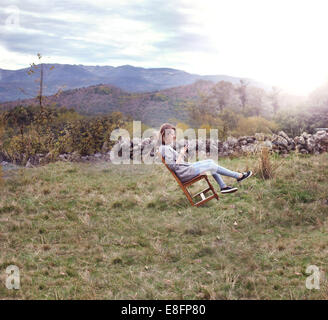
201	176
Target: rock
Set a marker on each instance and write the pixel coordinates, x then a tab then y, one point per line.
321	132
232	141
324	139
284	135
249	148
146	141
280	141
242	142
29	164
33	160
299	140
259	136
250	139
267	144
310	144
63	157
97	155
225	146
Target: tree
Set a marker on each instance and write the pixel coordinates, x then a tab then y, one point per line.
241	90
219	96
255	100
19	117
274	97
197	112
230	119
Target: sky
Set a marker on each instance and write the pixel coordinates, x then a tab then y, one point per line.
279	42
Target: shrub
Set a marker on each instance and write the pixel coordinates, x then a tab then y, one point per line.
252	125
103	90
266	169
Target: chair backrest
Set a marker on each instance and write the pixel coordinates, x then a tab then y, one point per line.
173	173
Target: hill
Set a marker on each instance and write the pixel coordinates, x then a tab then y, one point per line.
152	108
128	78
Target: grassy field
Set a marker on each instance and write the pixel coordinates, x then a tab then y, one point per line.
105	231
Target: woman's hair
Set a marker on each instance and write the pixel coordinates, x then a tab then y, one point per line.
162	130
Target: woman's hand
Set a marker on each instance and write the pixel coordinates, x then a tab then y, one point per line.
181	154
184	150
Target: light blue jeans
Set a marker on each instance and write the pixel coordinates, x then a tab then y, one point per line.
216	170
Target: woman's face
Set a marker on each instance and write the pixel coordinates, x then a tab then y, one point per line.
169	136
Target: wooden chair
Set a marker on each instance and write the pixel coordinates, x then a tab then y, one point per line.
185	185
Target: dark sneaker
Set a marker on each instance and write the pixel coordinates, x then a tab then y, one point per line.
228	189
245	176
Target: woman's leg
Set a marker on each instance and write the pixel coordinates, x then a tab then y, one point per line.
216	170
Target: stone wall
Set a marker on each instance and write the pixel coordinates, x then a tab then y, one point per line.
279	143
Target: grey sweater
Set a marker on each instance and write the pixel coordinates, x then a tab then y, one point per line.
183	170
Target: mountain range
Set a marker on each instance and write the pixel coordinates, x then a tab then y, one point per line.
18	84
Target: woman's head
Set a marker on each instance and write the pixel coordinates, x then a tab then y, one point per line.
167	133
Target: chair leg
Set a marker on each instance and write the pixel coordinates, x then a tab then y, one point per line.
187	193
202	194
213	190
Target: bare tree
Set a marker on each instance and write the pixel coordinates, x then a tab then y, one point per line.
219	96
242	93
255	100
274	97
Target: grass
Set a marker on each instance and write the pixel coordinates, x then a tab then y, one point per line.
81	231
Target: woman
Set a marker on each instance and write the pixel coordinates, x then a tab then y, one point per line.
186	170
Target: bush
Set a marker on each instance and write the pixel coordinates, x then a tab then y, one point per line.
252	125
60	131
296	122
103	90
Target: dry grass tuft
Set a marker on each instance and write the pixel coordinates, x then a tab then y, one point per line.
266	168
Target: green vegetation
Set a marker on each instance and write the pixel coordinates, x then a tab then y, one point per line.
103	90
80	231
50	130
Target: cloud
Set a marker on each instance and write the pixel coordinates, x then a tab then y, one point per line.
279	42
99	32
